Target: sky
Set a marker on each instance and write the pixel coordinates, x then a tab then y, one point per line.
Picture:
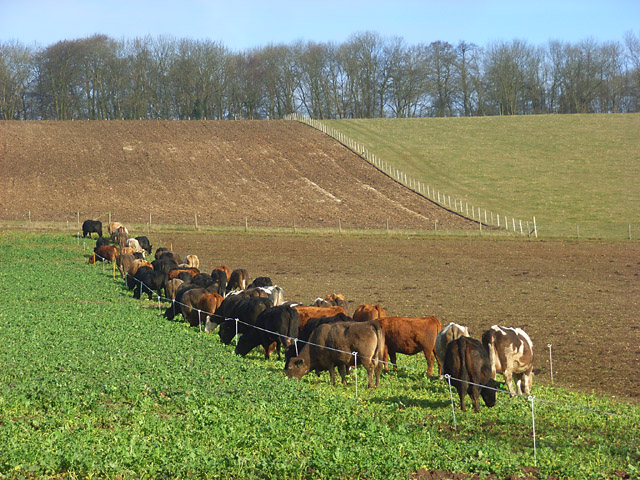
244	24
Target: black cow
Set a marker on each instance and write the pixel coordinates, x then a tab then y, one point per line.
277	325
466	360
144	243
148	282
102	241
164	264
246	310
220	279
261	282
91	226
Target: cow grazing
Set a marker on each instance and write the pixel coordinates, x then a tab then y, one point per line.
171	287
144	243
466	360
148	282
316	312
102	241
175	272
224	269
121	238
91	226
304	333
260	282
135	245
446	335
192	261
511	354
105	253
367	312
124	261
113	228
341	340
409	336
219	278
278	325
164	264
207	305
246	310
238	280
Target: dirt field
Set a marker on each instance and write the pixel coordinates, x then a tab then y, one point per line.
580	297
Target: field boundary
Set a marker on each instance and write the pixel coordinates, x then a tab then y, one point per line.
471	212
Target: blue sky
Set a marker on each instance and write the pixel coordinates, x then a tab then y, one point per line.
243	24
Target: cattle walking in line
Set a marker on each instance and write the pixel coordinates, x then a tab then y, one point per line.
341	339
467	362
446	335
410	335
366	312
511	354
91	226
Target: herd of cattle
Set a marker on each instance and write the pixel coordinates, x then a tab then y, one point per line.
318	337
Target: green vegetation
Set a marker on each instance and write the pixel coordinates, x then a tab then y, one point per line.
577	174
95	385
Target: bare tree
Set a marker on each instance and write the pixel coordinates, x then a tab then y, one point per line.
16	78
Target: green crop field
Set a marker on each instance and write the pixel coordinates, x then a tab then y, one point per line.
577	174
95	384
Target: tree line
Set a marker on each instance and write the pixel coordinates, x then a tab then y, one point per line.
367	76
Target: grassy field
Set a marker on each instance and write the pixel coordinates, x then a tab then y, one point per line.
95	384
577	174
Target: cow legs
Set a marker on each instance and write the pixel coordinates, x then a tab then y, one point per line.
428	355
332	374
392	358
342	369
508	378
474	393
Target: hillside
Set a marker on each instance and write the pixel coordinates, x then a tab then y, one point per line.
270	172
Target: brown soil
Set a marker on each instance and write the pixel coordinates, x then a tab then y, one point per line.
580	297
271	173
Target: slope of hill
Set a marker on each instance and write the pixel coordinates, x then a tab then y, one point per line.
270	172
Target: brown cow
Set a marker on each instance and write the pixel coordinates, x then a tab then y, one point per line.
124	262
207	304
316	312
238	280
367	312
113	228
409	336
341	340
174	272
106	253
121	237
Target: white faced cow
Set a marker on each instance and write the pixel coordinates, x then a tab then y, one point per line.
511	354
446	335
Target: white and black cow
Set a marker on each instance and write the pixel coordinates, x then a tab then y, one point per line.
511	354
446	335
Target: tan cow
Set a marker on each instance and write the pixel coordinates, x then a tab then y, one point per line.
409	336
366	312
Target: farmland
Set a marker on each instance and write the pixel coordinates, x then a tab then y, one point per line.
577	174
96	385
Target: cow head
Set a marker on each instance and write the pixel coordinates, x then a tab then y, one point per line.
489	394
297	367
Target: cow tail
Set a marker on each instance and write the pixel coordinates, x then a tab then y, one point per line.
488	340
379	353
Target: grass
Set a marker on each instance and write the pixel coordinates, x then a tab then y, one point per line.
95	384
577	174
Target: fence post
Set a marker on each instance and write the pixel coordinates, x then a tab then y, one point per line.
355	363
550	362
453	405
533	428
246	224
